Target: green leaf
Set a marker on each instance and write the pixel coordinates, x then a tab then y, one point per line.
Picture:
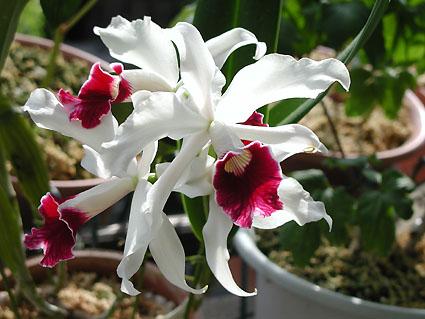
285	108
121	110
397	187
18	143
302	242
404	207
215	17
362	95
311	179
376	221
261	18
349	17
375	47
340	206
58	12
10	13
195	211
394	181
346	56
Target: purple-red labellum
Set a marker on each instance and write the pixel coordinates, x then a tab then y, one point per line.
57	236
246	184
95	96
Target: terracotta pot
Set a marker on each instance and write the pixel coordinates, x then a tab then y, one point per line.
105	263
399	156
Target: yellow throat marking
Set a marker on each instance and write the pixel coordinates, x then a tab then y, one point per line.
236	165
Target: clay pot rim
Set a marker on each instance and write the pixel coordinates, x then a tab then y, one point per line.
412	145
68	51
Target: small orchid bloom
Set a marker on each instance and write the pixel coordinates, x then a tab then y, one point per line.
146	45
63	218
88	116
96	95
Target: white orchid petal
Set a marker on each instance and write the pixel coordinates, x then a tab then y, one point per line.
168	253
284	141
97	199
197	67
276	77
47	112
155	115
93	163
146	80
165	184
141	229
223	45
196	179
149	153
224	139
298	205
142	43
215	232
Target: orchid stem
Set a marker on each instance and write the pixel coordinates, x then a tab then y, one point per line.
333	128
192	304
139	284
13	303
61	272
58	37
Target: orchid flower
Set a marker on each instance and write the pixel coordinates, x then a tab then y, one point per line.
88	116
146	45
197	180
248	184
64	216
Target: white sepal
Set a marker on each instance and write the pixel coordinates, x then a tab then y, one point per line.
47	112
168	253
223	45
277	77
298	205
215	232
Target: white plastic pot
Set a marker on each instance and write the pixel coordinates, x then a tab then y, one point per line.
284	295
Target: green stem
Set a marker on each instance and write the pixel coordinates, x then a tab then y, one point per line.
191	304
58	37
346	56
114	306
9	291
81	13
333	129
139	284
61	271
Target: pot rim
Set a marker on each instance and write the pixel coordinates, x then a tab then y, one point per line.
67	50
247	248
413	144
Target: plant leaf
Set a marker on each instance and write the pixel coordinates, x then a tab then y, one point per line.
340	206
302	242
194	208
346	56
376	221
58	12
10	13
18	143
